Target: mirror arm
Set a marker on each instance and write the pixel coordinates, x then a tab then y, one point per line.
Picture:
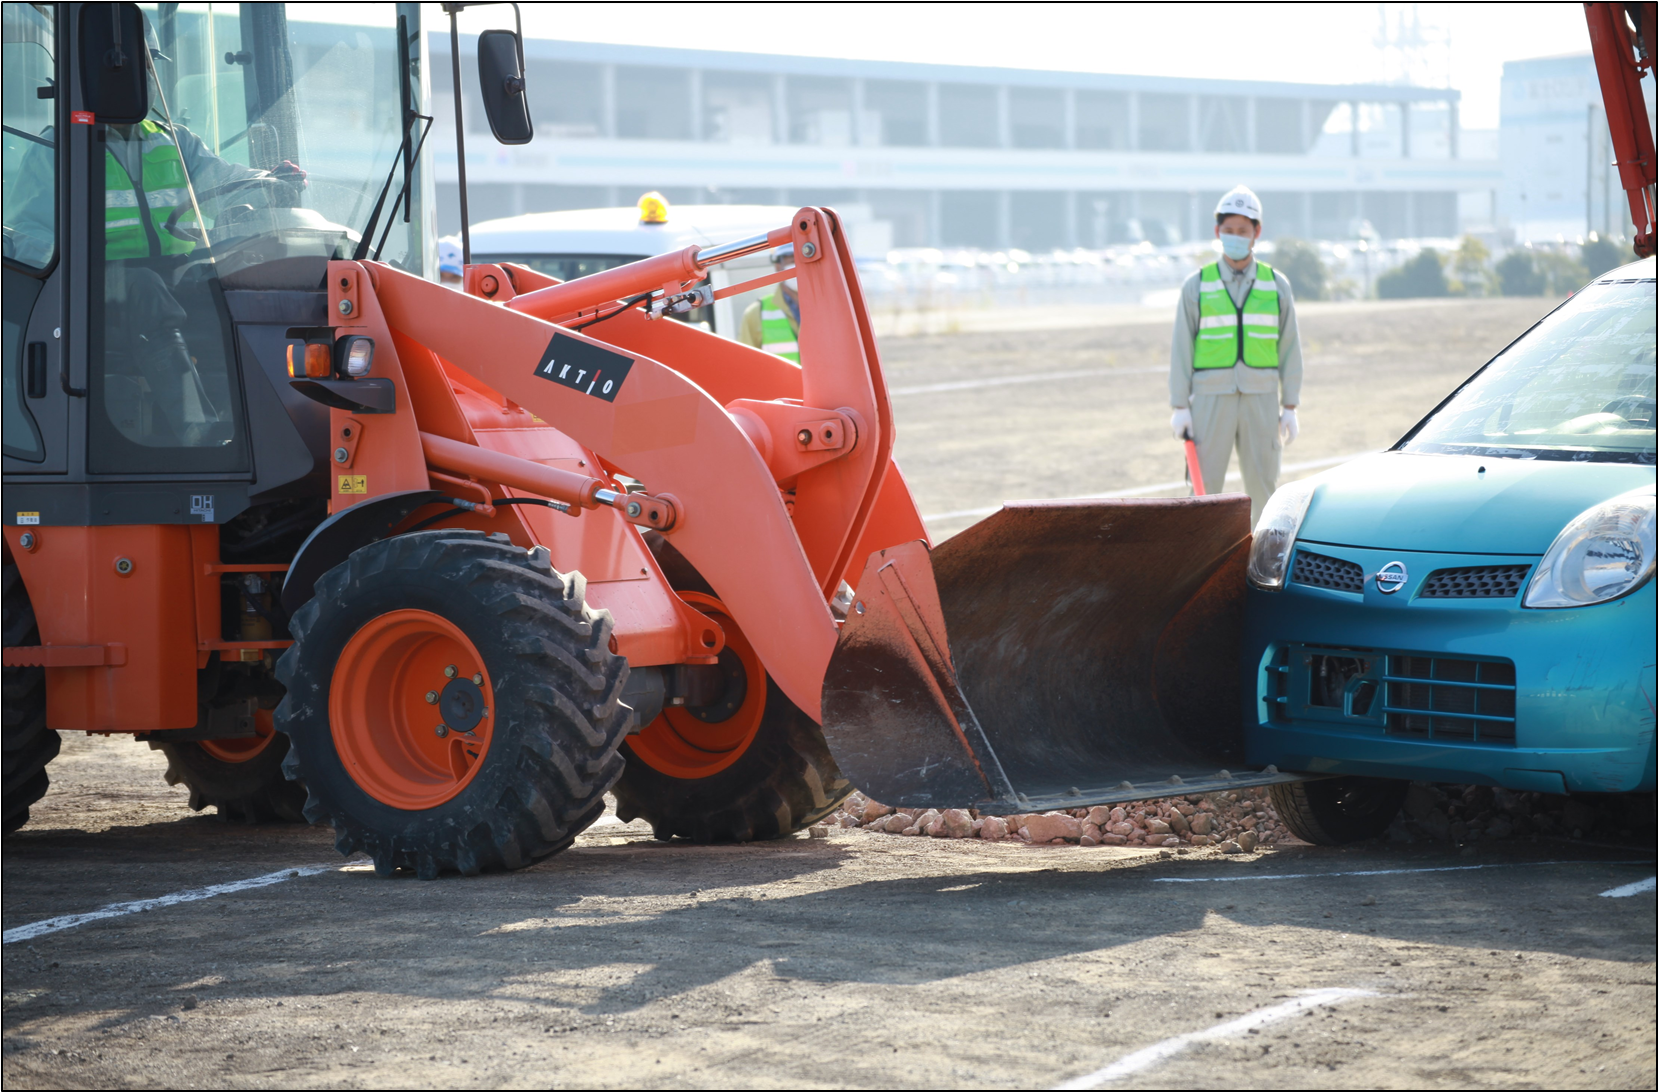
460	129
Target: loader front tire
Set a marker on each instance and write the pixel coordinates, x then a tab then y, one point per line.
241	778
1337	810
746	767
28	744
452	704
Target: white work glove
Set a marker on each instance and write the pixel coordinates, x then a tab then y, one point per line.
1181	423
1288	427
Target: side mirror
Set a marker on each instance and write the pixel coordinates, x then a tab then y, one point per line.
501	82
115	85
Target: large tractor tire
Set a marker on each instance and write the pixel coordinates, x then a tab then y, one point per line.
452	704
242	778
747	766
1337	810
28	745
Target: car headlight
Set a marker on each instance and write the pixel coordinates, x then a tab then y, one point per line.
1269	554
1605	553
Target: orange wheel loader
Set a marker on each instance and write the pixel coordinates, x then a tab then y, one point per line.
441	568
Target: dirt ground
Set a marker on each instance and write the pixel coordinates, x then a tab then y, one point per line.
858	959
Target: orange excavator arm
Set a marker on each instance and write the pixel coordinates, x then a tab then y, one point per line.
1621	35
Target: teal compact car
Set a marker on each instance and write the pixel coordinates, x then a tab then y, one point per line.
1476	604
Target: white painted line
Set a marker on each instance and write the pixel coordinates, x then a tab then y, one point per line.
138	906
1386	872
1168	1048
1142	490
1628	889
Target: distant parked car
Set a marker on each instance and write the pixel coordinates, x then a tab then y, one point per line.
1476	604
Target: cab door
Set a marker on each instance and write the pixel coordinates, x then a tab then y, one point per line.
35	391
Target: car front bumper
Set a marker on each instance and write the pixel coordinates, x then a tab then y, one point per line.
1575	713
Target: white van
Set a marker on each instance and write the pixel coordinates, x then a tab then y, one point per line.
577	242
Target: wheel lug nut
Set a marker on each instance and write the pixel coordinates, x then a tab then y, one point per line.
449	672
431	697
478	680
442	730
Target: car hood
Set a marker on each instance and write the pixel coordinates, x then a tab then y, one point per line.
1443	503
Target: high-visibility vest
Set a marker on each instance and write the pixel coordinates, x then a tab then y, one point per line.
776	335
1228	333
161	189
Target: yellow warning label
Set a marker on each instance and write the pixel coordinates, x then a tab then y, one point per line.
27	518
353	483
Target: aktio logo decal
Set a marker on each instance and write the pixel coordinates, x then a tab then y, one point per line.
1391	577
584	367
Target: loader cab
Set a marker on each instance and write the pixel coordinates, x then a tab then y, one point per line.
579	242
176	178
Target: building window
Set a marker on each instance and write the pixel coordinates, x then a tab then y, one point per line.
1165	123
1223	123
820	111
1038	117
653	103
967	115
898	112
737	108
1278	127
1102	119
567	100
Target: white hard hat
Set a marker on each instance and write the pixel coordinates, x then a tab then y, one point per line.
449	256
1240	201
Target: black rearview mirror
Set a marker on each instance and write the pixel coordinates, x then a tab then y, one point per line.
501	82
115	84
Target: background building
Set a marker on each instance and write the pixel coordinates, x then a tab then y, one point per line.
956	156
1558	177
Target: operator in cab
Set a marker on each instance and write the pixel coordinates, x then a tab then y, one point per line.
773	323
1235	362
158	175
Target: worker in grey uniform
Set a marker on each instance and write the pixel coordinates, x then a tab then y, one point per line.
1235	362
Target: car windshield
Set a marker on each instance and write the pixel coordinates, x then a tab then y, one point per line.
1579	385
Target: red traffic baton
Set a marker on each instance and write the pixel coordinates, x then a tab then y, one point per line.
1193	470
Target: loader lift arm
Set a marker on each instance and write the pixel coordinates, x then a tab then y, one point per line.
1621	35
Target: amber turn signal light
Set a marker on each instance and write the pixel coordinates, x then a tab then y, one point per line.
312	362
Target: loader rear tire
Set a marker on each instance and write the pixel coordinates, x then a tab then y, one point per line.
28	745
1338	810
467	633
748	767
243	779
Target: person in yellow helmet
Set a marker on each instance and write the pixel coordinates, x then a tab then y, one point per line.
1235	361
772	322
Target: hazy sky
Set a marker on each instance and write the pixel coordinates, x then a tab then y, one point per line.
1318	43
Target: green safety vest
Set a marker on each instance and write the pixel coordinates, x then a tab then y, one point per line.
776	335
162	189
1227	333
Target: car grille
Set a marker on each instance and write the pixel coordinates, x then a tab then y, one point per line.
1450	699
1318	571
1475	582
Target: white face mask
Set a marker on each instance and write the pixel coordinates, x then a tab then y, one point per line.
1236	247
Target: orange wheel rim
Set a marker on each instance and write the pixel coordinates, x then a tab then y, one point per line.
411	709
680	743
241	750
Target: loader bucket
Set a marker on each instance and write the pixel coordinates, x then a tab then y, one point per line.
1055	655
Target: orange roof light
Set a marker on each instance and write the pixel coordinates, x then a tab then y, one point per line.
653	208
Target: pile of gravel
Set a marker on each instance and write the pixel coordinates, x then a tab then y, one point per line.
1235	821
1241	820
